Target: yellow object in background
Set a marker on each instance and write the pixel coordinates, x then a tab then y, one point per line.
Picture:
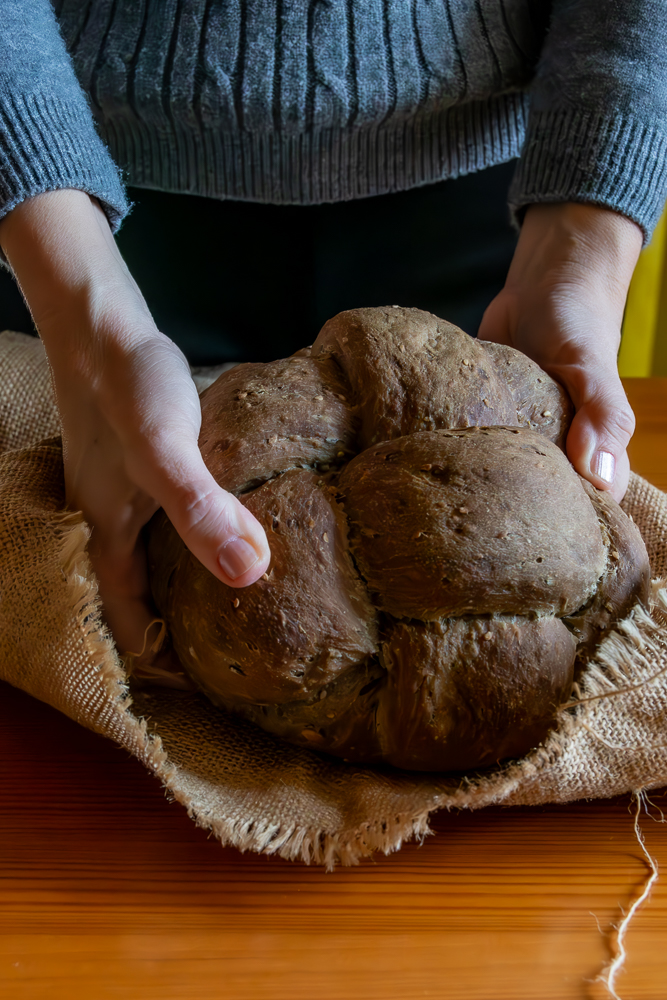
644	341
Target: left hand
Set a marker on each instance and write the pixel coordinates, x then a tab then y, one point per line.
129	411
562	305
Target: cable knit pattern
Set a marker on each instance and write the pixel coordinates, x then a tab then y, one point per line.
305	101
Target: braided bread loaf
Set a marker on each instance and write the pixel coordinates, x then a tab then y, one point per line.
437	565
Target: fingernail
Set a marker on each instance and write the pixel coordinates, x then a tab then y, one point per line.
604	466
236	557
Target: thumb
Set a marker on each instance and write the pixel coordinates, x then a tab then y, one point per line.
601	430
226	538
497	320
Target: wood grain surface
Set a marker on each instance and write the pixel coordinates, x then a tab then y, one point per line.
109	891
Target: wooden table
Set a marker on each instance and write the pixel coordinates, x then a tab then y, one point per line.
109	891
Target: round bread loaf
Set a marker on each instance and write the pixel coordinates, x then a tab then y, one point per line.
438	570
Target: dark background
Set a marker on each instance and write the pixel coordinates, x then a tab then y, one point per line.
238	281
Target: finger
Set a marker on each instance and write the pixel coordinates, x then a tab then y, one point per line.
138	632
163	670
226	538
601	430
116	510
167	464
496	322
124	589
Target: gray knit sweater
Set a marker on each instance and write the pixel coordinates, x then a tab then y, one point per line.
305	101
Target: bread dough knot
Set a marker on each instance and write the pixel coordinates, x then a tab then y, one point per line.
438	570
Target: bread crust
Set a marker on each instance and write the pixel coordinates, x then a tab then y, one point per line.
474	521
259	420
411	371
464	693
437	567
289	635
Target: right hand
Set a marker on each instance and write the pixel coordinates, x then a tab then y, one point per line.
129	410
562	305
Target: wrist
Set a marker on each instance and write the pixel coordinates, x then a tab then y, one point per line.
67	265
577	246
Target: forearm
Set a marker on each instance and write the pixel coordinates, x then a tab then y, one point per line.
67	264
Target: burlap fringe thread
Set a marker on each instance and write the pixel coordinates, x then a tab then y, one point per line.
251	791
633	648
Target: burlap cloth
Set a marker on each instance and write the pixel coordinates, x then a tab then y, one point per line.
245	786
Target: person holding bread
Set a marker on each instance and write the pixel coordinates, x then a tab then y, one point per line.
325	102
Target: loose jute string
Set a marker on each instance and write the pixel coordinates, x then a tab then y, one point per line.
627	689
609	973
657	640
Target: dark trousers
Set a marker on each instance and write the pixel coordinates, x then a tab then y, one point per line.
233	281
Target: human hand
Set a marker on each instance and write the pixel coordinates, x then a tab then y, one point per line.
129	410
562	305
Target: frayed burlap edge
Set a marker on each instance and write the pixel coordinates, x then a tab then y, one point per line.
106	706
625	664
245	787
630	661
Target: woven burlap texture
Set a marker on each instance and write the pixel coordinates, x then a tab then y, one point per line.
246	787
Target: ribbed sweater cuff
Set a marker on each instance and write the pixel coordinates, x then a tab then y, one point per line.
46	145
617	162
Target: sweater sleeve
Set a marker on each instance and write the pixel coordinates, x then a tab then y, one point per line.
47	136
597	128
